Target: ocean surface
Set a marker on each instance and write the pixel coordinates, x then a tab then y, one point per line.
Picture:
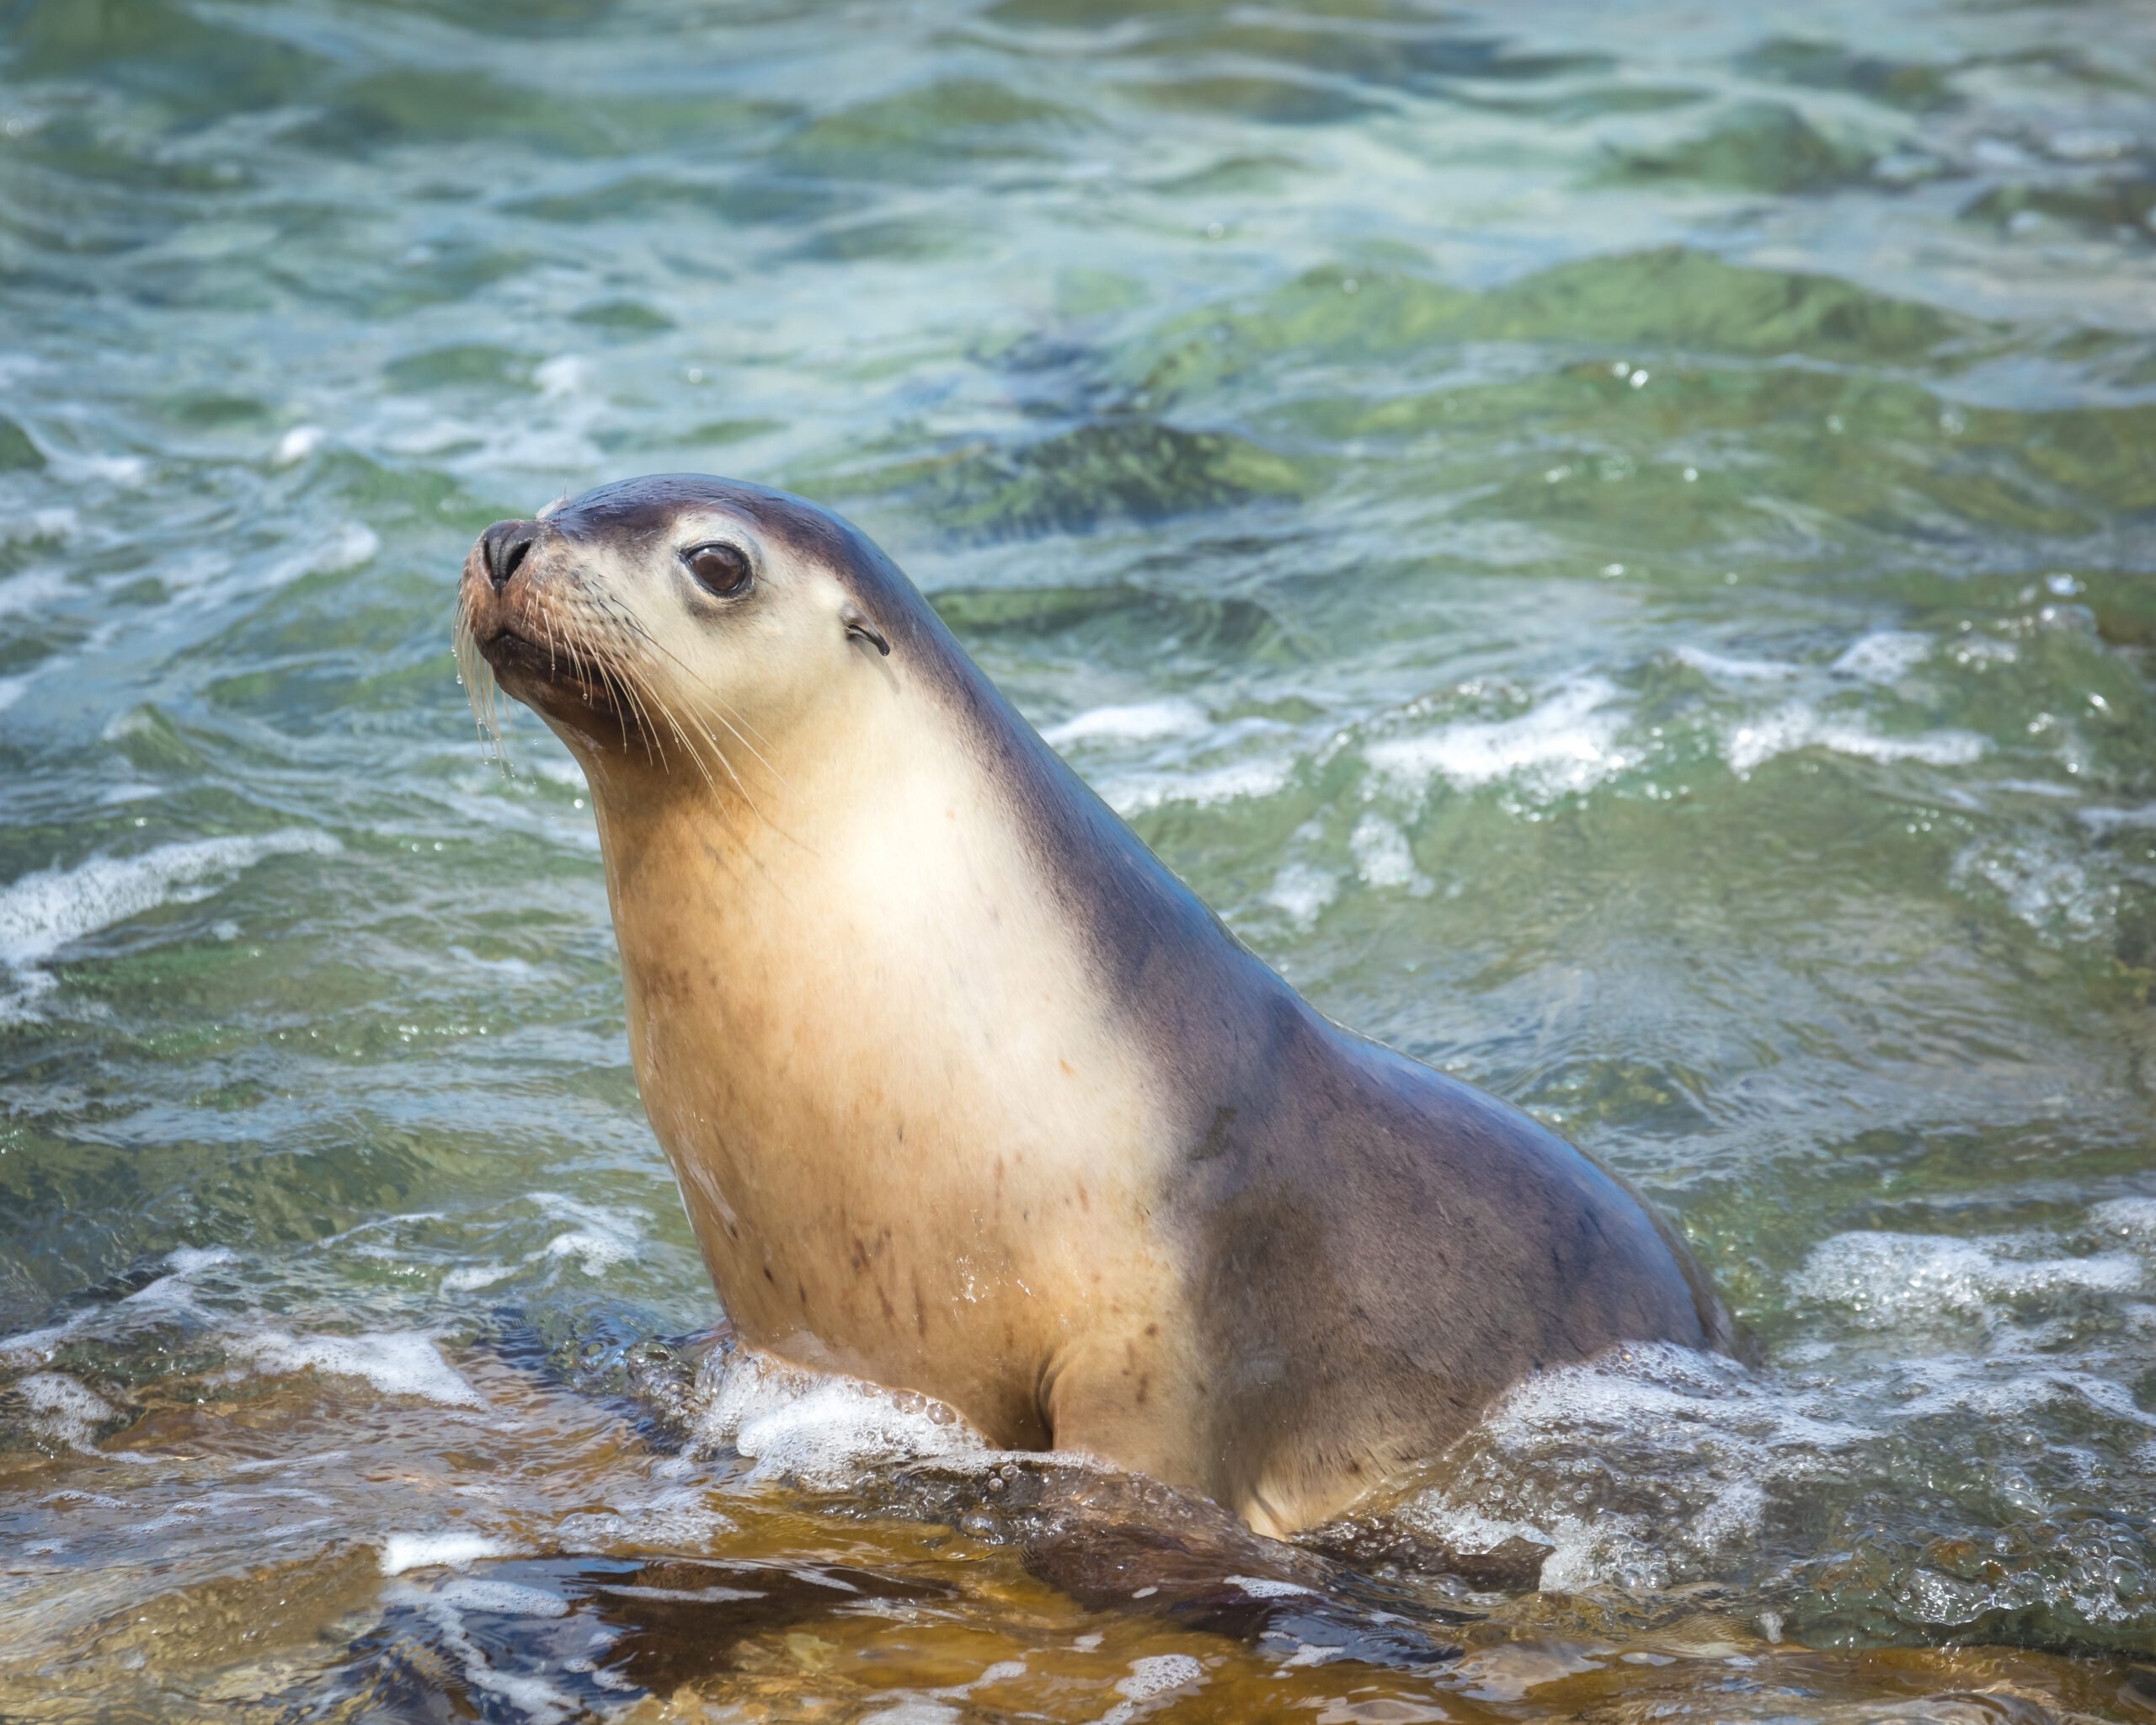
1616	545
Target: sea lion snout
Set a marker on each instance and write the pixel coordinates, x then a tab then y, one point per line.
512	613
504	546
513	579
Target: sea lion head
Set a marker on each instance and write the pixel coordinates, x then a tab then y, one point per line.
680	623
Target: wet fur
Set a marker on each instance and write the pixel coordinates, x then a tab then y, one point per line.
1282	1265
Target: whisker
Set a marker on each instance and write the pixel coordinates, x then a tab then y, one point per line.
615	679
480	691
704	689
624	675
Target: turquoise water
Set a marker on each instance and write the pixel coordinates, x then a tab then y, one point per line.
1615	547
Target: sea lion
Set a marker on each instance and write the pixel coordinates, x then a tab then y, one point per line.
966	1093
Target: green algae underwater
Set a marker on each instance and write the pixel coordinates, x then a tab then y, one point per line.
1617	548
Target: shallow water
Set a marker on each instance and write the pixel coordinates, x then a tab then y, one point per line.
1616	550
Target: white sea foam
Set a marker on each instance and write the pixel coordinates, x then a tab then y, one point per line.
600	1238
565	374
348	546
55	523
1893	1281
1383	859
1141	722
1885	657
1133	794
1725	668
31	590
402	1551
914	1710
397	1363
1799	725
1261	1587
822	1429
63	1408
42	913
2133	1218
296	444
128	470
507	1598
2103	822
2047	888
482	1275
1155	1675
175	1290
678	1517
604	1238
1649	1466
35	1347
1982	649
2026	1392
1303	890
1567	741
537	1699
1713	1437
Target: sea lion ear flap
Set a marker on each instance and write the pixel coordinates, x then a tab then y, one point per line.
859	628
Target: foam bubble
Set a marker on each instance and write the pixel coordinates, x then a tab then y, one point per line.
402	1551
1303	890
507	1598
594	1251
1159	1673
563	375
351	544
538	1700
32	589
2103	822
485	1275
1888	1281
42	913
54	523
604	1238
822	1429
1725	668
675	1517
1885	656
128	470
1141	722
1712	1437
64	1408
1383	859
2049	890
296	444
1566	742
1133	794
2133	1217
33	1347
397	1363
1799	725
1263	1587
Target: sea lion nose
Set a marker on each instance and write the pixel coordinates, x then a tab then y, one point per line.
504	546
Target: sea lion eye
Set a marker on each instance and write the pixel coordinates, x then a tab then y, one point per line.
723	568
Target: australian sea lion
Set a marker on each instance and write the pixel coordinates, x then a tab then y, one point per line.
967	1094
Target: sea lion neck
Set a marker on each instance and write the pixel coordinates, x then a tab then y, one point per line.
833	999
